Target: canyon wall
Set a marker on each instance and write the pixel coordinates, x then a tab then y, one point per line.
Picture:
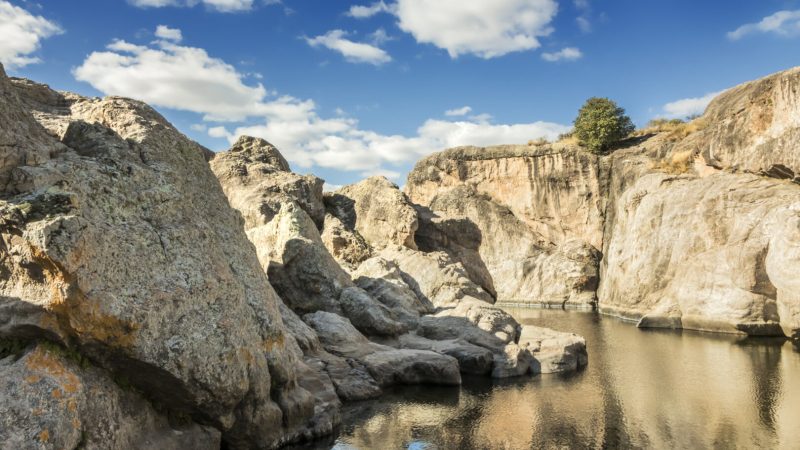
695	230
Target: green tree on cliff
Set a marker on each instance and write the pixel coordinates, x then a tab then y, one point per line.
601	123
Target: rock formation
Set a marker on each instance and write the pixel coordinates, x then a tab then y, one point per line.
697	231
119	247
385	288
154	294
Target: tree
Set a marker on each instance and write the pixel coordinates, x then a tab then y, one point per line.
601	123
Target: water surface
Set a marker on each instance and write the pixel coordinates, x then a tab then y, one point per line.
641	389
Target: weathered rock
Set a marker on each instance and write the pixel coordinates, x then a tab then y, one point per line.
309	279
554	189
378	210
22	140
257	181
524	266
553	351
707	253
435	277
387	366
125	250
49	401
461	238
753	127
472	359
384	281
346	245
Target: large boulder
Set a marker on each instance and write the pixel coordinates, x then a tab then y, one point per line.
378	210
387	365
309	279
257	181
122	247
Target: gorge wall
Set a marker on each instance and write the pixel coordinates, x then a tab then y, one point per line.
700	231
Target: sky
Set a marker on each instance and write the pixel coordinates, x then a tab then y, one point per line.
349	89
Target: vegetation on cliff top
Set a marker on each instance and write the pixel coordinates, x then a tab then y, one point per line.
601	123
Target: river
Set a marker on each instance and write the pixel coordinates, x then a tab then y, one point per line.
641	389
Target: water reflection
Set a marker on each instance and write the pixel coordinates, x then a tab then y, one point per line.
642	389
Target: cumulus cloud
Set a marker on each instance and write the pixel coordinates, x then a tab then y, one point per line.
171	34
21	34
363	12
585	8
463	111
688	106
782	23
357	52
566	54
166	74
174	76
485	28
218	5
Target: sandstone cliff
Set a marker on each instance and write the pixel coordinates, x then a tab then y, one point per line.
697	231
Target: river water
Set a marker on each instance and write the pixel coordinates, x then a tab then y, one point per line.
641	389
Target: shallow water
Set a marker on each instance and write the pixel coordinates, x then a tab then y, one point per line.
641	389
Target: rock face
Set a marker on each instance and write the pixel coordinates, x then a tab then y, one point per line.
554	190
393	293
704	253
695	230
377	210
81	408
257	181
754	127
121	247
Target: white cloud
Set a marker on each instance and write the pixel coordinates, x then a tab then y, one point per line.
463	111
783	23
486	28
169	75
219	5
171	34
21	34
583	21
688	106
357	52
173	76
363	12
565	54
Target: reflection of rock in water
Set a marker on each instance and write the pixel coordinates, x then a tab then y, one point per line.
766	386
642	389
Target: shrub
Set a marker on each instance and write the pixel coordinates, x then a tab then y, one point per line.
601	123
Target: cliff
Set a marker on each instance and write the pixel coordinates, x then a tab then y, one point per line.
691	229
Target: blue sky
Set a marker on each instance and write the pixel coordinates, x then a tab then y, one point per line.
348	89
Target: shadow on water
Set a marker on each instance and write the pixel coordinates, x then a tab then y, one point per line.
641	389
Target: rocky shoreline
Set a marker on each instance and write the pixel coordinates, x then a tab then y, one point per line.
155	294
151	299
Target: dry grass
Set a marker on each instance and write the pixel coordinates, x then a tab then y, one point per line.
568	139
677	129
538	142
676	164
